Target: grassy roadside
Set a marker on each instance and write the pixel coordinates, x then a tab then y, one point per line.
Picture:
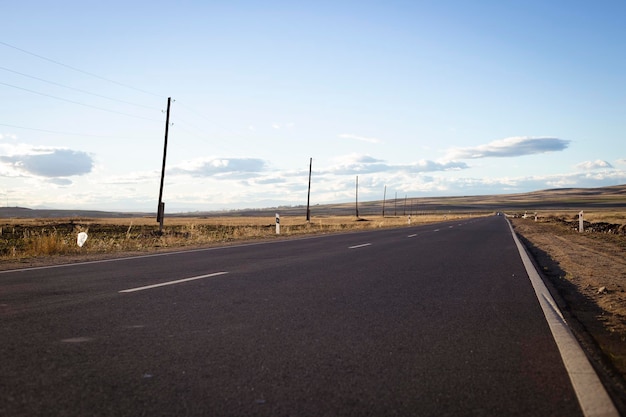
26	242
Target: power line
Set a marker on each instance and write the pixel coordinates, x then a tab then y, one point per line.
227	130
77	102
75	89
201	133
80	70
56	132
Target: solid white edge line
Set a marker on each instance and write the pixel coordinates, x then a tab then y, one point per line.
163	284
154	255
359	246
178	252
592	396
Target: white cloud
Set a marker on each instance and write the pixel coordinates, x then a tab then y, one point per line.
487	185
361	138
209	167
432	166
61	182
132	178
45	162
270	180
365	164
509	147
279	126
4	136
591	165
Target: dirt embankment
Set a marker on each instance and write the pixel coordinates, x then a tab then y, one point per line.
588	272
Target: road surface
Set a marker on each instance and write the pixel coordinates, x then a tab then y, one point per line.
437	320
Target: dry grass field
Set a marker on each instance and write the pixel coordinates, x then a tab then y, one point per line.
32	241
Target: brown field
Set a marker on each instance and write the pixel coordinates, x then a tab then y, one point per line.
33	241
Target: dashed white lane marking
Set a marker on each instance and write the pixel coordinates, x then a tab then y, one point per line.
77	340
436	230
178	281
592	397
412	235
359	246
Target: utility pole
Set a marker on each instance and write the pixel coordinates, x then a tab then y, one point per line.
161	208
405	196
384	198
308	198
395	205
357	196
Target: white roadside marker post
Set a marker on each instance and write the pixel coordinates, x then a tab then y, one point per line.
581	225
81	239
277	223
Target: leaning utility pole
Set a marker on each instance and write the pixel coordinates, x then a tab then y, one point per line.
161	208
308	198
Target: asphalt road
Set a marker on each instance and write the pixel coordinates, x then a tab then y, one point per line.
436	320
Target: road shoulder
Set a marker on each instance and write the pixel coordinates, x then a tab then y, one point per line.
558	256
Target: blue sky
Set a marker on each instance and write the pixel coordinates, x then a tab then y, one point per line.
427	98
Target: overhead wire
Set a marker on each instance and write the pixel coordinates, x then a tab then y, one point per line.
75	89
56	132
77	102
80	70
199	132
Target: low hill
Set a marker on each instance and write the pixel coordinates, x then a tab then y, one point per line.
552	199
26	213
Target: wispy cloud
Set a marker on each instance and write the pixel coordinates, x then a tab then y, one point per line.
132	178
365	164
46	162
209	167
279	126
361	138
446	186
270	180
4	136
61	182
510	147
433	166
591	165
358	164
